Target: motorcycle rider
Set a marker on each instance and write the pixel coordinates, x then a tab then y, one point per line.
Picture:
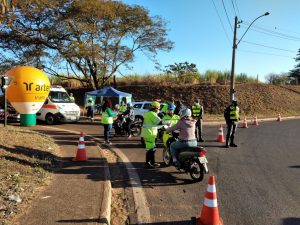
149	133
129	118
170	119
186	126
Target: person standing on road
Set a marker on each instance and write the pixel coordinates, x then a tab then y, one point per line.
179	107
231	115
129	118
107	119
197	114
72	97
149	133
186	126
90	109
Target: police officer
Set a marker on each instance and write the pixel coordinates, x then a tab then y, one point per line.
90	109
197	114
232	117
149	133
72	97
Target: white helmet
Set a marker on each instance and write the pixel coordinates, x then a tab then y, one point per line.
185	112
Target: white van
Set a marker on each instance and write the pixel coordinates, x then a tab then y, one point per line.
58	107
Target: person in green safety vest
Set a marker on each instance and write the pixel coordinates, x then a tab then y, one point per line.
171	119
164	109
90	108
197	114
123	107
107	119
149	133
232	117
72	97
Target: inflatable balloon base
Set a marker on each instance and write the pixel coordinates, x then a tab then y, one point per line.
28	120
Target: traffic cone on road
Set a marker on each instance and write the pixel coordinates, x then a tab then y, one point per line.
245	125
279	118
210	213
81	153
255	121
220	137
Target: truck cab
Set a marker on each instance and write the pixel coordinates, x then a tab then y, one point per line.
58	107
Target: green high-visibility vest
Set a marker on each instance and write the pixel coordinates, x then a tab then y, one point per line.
106	119
123	108
165	108
174	119
197	110
151	120
234	113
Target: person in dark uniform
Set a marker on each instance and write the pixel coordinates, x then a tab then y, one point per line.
231	115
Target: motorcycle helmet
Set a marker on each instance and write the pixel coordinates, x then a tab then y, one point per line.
129	105
155	105
186	112
171	107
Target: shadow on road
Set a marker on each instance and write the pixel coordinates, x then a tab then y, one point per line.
184	222
296	166
291	221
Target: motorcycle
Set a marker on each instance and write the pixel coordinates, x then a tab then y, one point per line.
120	126
192	159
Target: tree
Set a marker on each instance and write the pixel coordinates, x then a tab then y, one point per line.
80	39
295	73
181	68
278	79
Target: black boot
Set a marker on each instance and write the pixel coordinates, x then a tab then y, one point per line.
232	144
152	159
148	164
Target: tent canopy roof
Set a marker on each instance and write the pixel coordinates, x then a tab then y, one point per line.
108	92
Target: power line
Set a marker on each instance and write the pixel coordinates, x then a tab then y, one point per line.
274	32
266	53
273	35
238	9
266	46
233	8
227	15
221	22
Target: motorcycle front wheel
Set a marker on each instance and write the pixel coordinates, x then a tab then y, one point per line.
197	171
167	158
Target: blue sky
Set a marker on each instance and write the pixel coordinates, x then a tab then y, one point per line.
269	46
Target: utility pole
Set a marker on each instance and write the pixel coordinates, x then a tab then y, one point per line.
234	46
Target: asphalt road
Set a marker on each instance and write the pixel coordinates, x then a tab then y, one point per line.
257	183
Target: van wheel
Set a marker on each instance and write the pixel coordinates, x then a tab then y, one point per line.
50	119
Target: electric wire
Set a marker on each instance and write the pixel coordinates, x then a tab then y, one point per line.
233	7
273	35
266	46
221	22
265	53
237	8
274	32
227	15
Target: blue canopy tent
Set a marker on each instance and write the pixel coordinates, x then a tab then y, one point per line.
108	92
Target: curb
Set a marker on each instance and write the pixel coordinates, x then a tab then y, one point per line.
105	209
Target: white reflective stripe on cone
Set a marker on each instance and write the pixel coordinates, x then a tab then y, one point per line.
210	203
211	188
81	146
81	139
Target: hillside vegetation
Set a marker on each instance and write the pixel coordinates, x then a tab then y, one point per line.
254	99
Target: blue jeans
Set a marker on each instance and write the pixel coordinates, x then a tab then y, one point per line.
107	128
175	146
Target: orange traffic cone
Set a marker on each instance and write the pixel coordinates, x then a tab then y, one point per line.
210	213
245	125
81	154
220	137
279	118
255	121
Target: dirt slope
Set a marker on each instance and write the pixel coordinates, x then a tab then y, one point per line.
254	99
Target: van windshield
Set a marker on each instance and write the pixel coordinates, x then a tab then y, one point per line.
60	97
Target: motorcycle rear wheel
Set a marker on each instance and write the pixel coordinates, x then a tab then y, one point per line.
136	130
197	171
167	158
